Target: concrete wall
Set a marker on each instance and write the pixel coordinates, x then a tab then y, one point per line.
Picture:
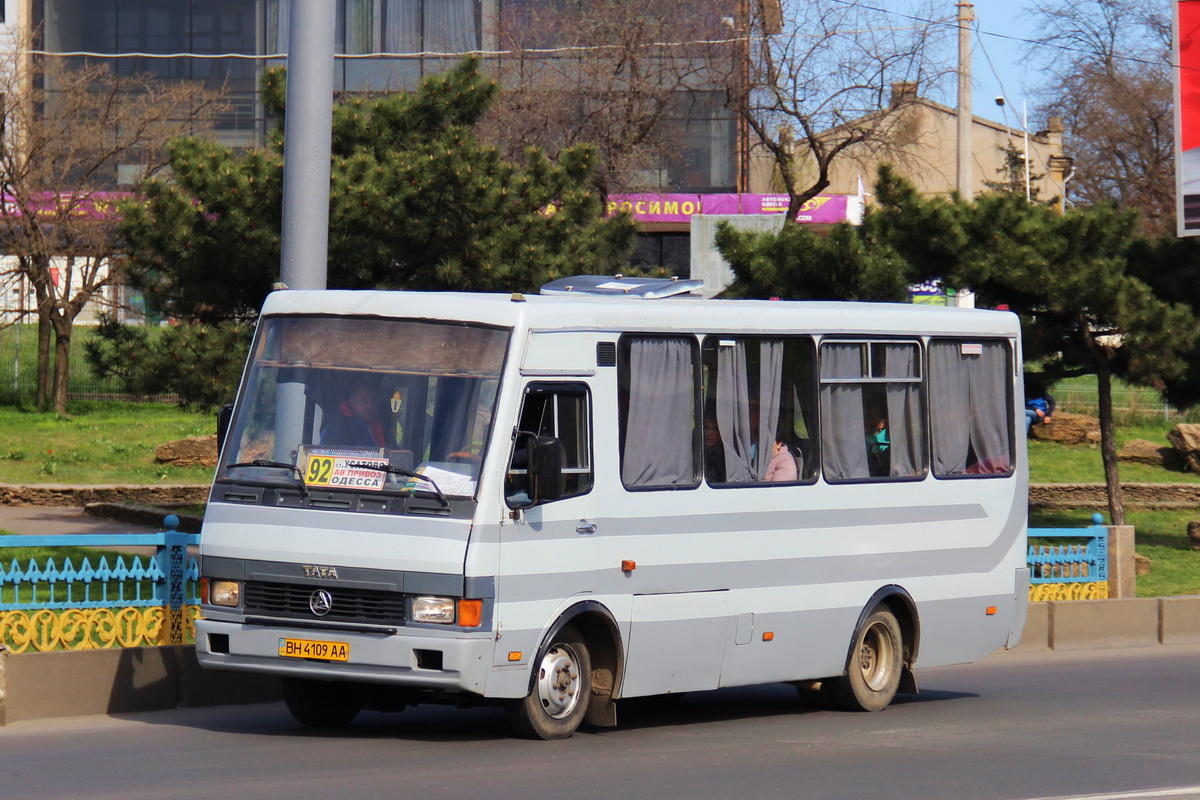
42	685
1098	624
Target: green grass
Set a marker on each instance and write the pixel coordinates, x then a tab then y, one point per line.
1161	535
1050	462
97	443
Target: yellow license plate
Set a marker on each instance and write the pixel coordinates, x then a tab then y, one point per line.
307	648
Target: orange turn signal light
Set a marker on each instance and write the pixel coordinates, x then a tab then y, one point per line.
628	566
470	613
515	655
991	610
768	636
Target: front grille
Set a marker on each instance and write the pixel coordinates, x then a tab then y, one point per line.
349	605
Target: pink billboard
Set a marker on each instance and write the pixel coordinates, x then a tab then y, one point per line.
97	205
1187	117
823	209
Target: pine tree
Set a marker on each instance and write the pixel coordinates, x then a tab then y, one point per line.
416	202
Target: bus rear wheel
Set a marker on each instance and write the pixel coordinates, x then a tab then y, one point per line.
322	704
876	662
561	691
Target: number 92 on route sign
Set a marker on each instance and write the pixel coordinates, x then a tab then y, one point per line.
337	471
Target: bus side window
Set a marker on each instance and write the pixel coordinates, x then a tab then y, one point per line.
872	410
971	393
559	411
658	413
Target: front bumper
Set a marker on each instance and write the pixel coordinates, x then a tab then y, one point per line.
419	659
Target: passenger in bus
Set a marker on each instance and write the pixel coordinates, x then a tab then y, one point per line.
878	444
355	422
783	463
714	450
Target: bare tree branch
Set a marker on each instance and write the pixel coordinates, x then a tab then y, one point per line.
68	132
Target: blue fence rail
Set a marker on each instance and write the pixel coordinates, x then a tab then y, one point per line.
1073	570
99	601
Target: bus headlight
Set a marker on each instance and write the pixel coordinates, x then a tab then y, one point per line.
224	593
433	609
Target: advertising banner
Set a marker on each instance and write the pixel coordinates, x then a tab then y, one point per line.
823	209
1187	117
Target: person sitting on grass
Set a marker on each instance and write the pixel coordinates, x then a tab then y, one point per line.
1039	404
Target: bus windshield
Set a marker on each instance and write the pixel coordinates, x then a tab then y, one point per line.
359	404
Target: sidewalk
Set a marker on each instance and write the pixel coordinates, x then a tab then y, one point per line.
59	520
47	520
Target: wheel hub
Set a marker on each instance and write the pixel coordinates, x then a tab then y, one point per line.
558	682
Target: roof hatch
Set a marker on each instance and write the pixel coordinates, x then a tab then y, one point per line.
621	286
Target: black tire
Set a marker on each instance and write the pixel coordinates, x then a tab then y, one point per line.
322	704
876	662
562	687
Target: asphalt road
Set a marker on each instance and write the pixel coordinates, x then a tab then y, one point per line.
1013	727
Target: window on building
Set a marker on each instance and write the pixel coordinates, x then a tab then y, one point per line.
658	408
671	251
872	410
759	410
971	407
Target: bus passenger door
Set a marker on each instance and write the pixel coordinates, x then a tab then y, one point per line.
548	544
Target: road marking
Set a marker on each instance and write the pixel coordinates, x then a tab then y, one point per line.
1189	792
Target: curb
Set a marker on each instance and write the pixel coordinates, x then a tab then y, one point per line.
1065	625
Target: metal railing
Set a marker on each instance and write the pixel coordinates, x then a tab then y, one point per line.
1073	570
103	600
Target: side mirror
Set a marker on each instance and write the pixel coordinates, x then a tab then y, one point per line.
224	417
539	461
547	458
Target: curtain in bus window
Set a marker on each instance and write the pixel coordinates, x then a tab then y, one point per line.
660	428
905	430
990	420
949	405
733	412
842	421
770	381
969	406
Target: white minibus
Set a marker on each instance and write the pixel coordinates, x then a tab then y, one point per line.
612	489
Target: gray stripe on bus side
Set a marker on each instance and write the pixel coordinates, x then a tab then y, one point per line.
881	567
769	521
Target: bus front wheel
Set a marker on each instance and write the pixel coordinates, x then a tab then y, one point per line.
322	704
562	688
876	662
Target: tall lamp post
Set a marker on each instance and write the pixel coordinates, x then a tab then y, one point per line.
1025	135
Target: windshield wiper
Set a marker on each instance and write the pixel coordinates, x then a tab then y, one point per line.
389	469
258	462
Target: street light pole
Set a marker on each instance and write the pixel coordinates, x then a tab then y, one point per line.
965	117
1025	130
306	145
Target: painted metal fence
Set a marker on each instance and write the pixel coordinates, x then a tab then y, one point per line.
1072	570
102	601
